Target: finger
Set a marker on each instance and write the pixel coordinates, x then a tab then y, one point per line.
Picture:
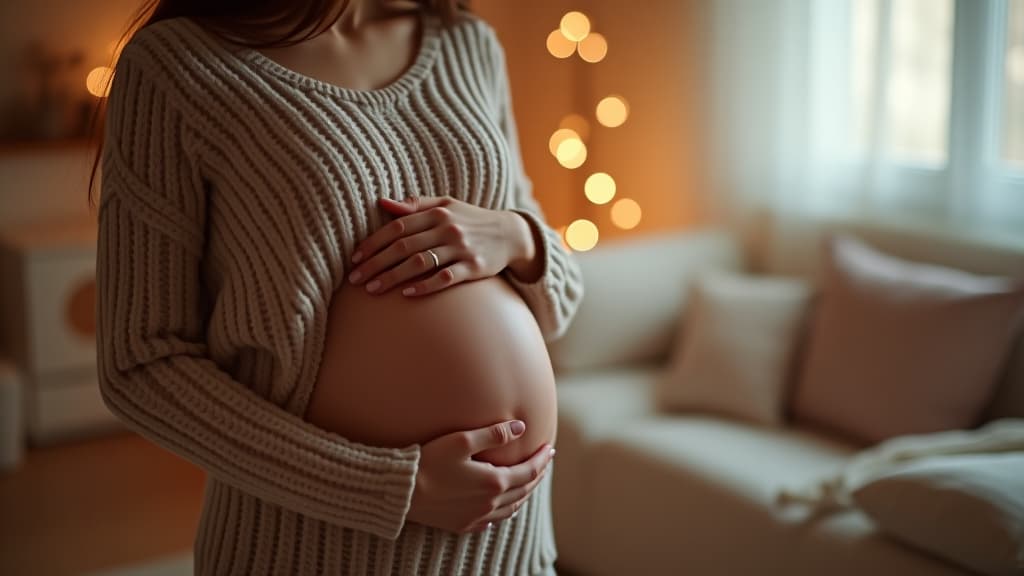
469	442
517	493
406	237
392	231
416	264
446	277
502	513
529	470
396	207
426	202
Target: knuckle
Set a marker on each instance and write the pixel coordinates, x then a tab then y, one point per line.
465	442
447	276
397	226
477	262
422	261
500	433
402	245
442	213
454	230
447	201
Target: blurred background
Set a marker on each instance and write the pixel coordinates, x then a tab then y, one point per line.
635	119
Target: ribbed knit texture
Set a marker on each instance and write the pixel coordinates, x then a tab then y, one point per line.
234	191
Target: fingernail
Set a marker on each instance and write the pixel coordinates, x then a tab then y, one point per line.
357	257
518	427
552	453
373	285
355	276
409	291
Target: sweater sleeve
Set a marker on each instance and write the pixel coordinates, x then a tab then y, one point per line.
555	296
154	370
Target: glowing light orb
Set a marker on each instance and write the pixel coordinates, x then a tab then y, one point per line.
599	188
593	48
571	153
626	213
98	81
581	235
559	46
577	124
575	26
612	111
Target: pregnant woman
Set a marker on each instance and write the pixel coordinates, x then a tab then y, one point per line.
322	277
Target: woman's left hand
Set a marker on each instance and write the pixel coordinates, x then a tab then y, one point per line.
470	242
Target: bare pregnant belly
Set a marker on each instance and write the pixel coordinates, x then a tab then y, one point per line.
400	370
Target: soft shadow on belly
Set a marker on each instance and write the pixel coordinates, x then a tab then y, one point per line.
399	370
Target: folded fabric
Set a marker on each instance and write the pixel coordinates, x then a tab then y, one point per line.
1004	435
968	509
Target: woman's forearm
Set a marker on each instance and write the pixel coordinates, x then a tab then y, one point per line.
527	262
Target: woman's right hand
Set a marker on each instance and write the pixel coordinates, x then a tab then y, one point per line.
458	494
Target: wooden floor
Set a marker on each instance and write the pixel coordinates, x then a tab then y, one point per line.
96	504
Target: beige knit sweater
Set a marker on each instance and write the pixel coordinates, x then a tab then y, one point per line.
234	191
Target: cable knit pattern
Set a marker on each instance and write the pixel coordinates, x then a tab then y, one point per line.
234	191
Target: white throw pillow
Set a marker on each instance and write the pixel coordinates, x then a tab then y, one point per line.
735	350
968	509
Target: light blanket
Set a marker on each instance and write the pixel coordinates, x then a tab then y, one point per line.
1005	435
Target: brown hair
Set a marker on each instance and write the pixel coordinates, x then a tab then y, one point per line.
253	23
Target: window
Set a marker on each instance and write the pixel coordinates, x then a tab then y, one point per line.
1013	87
935	94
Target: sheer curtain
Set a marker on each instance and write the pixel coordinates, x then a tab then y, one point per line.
909	112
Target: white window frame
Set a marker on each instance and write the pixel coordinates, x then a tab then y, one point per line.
974	192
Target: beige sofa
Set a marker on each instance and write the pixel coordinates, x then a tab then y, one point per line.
639	492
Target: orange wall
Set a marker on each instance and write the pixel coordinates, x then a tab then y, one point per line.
656	61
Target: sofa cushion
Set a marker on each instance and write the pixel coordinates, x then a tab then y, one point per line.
793	248
899	347
736	348
696	495
635	292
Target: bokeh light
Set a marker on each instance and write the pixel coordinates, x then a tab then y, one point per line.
559	136
581	235
559	46
571	153
577	124
599	188
612	111
626	213
98	81
575	26
593	48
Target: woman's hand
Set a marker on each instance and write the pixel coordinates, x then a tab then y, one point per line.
458	494
470	242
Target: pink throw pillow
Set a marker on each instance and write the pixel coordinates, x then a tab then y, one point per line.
899	347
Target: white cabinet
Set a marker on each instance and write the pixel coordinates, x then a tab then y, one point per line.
48	325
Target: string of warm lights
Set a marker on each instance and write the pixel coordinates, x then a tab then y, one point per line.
568	143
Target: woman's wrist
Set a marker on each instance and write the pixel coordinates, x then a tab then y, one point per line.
525	262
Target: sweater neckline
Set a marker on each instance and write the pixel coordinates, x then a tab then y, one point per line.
429	47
